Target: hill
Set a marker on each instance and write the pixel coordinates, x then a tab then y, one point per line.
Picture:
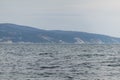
18	33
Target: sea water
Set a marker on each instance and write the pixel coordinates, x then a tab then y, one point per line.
59	62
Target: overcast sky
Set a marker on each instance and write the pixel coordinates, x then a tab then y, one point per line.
95	16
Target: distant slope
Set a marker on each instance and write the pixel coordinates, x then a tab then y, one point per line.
19	33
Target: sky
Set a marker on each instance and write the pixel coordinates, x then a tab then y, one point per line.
93	16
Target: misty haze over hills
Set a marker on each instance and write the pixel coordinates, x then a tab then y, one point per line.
12	33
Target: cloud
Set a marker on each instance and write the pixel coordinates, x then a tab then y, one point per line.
95	16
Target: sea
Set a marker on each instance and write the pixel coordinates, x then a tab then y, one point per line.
59	62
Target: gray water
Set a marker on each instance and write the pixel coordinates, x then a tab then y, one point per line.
59	62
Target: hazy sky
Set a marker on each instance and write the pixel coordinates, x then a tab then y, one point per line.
96	16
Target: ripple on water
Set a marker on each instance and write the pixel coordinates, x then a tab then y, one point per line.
59	62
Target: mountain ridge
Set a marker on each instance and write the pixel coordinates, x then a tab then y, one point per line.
18	33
